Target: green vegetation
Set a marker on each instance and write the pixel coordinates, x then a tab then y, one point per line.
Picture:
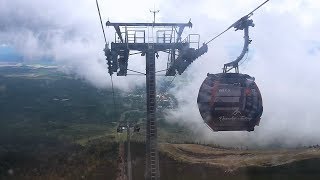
53	126
52	104
48	117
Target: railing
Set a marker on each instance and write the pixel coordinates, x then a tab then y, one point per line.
193	40
132	36
166	36
162	36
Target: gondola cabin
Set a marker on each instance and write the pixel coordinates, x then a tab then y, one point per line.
230	102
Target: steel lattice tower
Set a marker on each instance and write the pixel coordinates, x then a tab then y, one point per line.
132	37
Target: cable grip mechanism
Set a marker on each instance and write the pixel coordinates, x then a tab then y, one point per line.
242	24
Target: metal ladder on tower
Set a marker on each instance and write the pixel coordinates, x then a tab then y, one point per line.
153	154
150	38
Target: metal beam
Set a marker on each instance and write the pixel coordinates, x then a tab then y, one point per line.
144	46
181	28
189	24
117	28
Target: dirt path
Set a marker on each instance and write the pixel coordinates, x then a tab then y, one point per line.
232	159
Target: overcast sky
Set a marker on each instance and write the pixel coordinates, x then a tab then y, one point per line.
283	57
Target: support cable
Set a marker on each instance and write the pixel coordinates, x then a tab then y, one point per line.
135	75
104	34
113	96
135	53
161	70
247	55
105	40
169	84
136	71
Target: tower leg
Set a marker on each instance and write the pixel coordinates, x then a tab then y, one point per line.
129	173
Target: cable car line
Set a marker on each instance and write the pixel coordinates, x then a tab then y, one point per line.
113	96
242	24
161	75
105	40
135	75
169	84
247	54
232	101
136	71
161	70
237	22
226	101
104	34
135	53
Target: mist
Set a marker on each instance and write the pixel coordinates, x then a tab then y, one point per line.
283	56
68	33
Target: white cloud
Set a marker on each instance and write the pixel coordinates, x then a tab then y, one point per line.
281	62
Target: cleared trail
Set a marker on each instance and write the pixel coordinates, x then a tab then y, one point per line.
233	159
